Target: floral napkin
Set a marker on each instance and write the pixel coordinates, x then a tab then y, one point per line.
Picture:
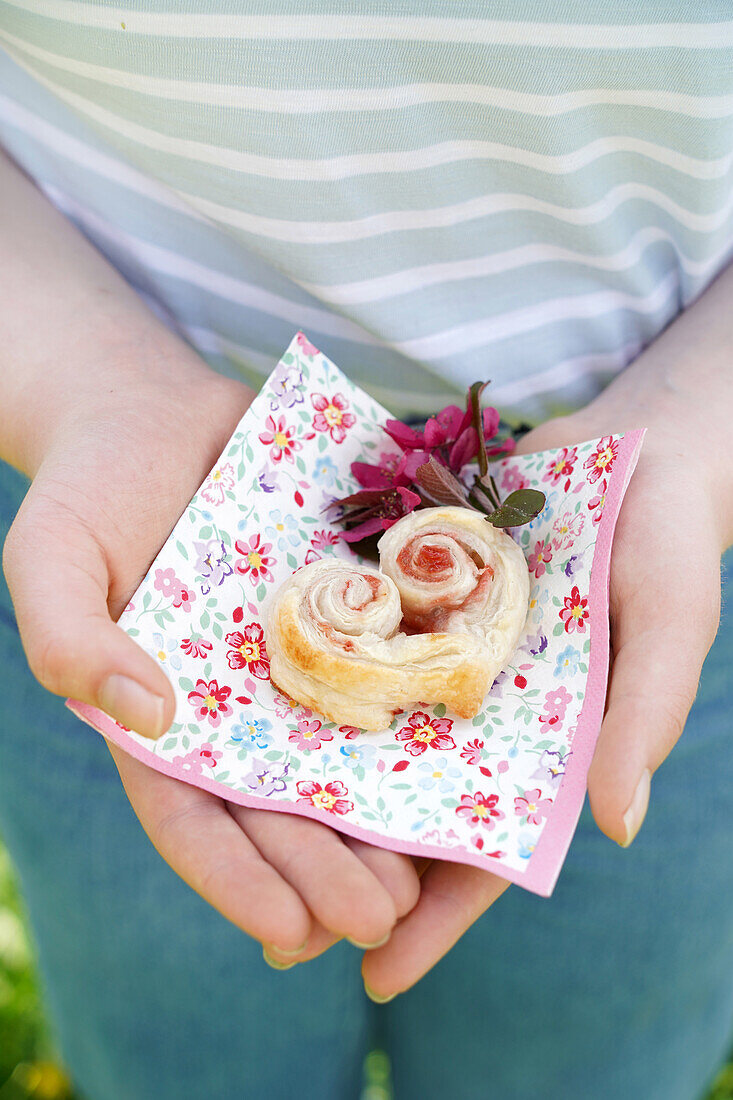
502	792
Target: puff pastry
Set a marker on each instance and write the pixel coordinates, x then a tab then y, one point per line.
436	623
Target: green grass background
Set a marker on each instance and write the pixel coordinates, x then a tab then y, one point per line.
29	1068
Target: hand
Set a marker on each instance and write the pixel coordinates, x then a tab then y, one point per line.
676	520
111	483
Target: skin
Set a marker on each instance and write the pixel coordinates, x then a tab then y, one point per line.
117	422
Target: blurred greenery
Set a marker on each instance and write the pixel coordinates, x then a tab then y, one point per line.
29	1069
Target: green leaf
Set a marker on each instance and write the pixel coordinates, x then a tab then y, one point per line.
401	787
186	684
439	710
146	600
410	798
260	593
475	398
206	532
322	444
205	620
217	631
181	549
557	629
520	507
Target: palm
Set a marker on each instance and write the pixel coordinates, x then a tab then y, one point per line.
106	502
665	542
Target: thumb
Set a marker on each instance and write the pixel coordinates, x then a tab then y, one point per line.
661	634
58	579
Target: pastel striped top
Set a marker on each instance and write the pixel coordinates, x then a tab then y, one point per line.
435	191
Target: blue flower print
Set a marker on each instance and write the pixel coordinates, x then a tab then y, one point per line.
527	843
324	471
567	662
359	756
251	733
284	530
437	774
166	651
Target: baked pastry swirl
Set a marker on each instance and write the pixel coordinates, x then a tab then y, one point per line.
435	624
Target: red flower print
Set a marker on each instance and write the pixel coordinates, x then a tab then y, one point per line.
574	612
210	701
249	651
331	416
323	539
196	647
422	731
255	560
567	529
184	597
540	556
311	556
531	805
471	752
480	809
601	461
309	734
562	466
282	438
350	732
328	798
598	503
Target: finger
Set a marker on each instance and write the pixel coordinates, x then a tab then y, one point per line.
661	634
452	897
395	871
58	579
193	832
340	891
319	941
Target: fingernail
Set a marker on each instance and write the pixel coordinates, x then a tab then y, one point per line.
282	951
133	705
369	946
276	965
377	997
636	812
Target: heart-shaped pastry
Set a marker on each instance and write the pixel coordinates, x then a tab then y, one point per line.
435	623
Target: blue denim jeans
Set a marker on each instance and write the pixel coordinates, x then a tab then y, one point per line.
619	987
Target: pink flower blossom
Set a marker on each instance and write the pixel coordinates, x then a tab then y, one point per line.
562	466
219	480
471	751
255	560
167	582
305	345
512	480
330	797
196	647
533	806
422	732
321	540
540	556
285	707
480	809
282	438
601	461
310	734
574	612
331	415
210	701
567	529
184	597
555	706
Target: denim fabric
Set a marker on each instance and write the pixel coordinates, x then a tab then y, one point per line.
619	987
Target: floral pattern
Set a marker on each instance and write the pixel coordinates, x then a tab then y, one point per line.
481	791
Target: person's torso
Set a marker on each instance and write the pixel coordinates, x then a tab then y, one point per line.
434	191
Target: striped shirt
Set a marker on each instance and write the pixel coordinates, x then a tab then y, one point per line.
435	191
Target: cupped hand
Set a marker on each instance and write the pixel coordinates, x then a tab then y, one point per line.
664	610
111	485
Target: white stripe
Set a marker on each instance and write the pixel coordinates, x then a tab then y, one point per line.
312	233
435	346
597	36
409	280
309	100
564	374
447	344
154	258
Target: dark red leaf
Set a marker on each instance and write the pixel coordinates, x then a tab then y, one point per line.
298	497
243	699
440	484
483	770
238	614
401	765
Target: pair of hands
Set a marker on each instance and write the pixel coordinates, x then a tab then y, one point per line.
111	485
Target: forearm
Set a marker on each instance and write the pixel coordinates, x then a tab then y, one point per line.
682	386
73	334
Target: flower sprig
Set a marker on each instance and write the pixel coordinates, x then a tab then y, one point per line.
428	473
